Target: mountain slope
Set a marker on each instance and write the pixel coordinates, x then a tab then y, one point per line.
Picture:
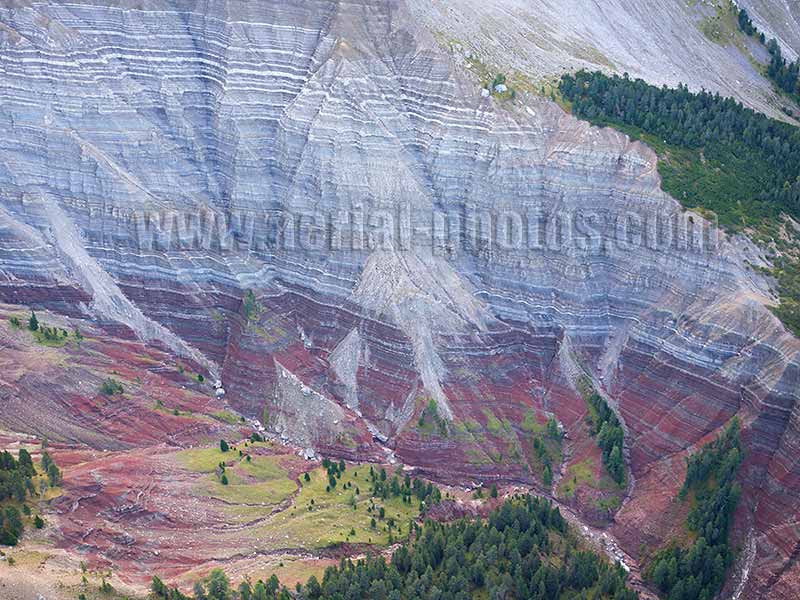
175	141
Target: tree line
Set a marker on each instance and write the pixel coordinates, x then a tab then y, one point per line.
16	485
714	154
782	73
607	431
524	549
730	159
697	572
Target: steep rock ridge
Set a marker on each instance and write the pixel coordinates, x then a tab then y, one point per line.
175	139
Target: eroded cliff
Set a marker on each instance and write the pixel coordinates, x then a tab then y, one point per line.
406	240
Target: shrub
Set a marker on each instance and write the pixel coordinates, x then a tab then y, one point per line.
111	387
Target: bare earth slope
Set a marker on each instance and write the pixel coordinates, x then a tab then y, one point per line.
780	20
663	42
150	149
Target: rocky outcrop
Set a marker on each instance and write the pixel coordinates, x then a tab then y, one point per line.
407	240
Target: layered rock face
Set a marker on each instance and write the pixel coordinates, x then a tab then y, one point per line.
409	244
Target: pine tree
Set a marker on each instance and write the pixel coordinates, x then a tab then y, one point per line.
53	475
26	463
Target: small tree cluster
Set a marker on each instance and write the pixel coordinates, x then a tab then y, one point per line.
16	483
430	420
52	470
609	434
784	74
335	471
217	586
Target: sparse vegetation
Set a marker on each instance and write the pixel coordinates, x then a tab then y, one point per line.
493	424
44	334
546	444
51	336
326	515
250	306
579	473
111	387
226	416
256	484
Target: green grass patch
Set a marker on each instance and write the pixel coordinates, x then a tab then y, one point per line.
531	424
203	460
578	474
493	424
473	426
610	504
250	306
227	416
263	468
341	515
52	342
430	423
721	27
258	481
242	490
